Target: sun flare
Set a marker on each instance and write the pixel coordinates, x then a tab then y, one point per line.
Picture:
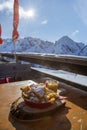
27	13
31	13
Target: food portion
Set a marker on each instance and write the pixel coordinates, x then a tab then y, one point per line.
40	93
52	84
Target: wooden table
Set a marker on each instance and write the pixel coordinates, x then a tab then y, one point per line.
71	117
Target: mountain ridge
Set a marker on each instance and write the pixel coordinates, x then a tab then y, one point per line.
64	45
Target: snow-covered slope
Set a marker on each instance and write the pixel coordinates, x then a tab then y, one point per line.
64	45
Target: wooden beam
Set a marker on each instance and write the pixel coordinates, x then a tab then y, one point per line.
73	64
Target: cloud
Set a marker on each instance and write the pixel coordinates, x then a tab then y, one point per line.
75	32
44	21
7	5
81	9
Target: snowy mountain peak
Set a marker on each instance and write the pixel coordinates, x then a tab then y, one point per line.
65	39
64	45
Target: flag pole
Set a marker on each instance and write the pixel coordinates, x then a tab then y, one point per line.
15	51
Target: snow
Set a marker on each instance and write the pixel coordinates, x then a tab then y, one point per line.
64	46
76	78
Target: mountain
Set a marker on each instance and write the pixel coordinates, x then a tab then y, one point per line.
64	45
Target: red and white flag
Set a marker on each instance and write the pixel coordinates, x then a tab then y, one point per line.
15	33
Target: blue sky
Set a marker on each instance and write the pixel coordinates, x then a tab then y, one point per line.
46	19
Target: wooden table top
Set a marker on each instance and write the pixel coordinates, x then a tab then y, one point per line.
71	117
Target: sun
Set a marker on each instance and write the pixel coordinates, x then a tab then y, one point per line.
31	13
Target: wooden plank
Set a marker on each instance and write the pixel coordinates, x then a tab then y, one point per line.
20	111
78	66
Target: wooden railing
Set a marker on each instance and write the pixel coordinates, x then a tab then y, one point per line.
74	64
68	63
